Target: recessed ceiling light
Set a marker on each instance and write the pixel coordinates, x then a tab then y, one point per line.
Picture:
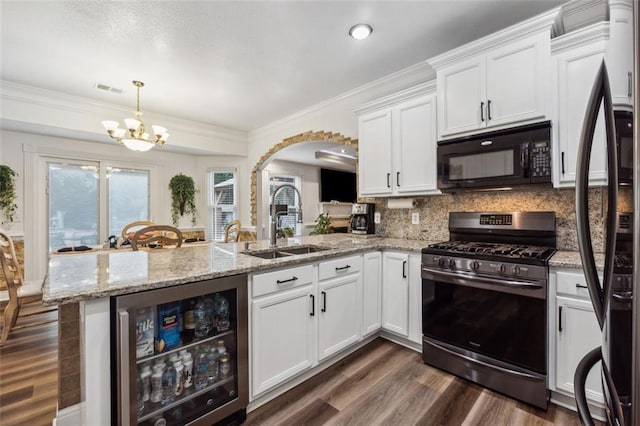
360	31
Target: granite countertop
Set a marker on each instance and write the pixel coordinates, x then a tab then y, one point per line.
571	259
102	273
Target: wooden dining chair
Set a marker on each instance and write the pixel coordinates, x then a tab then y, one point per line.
129	230
158	234
232	232
19	293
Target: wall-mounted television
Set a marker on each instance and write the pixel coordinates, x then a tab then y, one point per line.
337	185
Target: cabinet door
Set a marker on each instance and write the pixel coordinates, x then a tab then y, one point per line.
620	54
340	319
374	150
415	146
283	336
371	293
577	69
516	82
577	333
415	297
461	97
395	293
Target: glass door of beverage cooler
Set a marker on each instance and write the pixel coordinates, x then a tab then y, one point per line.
181	353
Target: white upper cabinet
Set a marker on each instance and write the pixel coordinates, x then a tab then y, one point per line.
620	52
497	81
397	144
577	57
374	152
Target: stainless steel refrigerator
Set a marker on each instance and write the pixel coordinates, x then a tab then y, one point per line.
614	298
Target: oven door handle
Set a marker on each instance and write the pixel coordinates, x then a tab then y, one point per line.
482	363
513	286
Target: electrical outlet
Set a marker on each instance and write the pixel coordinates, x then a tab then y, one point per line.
415	218
376	217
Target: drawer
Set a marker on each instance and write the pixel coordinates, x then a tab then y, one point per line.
338	267
572	283
270	282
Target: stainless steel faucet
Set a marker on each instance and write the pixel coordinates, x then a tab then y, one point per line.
274	219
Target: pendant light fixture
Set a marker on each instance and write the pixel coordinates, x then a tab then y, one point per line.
135	137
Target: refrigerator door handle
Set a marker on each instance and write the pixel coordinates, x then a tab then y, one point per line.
579	380
123	326
599	293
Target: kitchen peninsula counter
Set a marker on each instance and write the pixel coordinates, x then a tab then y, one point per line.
83	276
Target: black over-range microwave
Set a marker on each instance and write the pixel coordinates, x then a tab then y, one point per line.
496	160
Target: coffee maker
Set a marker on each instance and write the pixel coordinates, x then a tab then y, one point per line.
362	218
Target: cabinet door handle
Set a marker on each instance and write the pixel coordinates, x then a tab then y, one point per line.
562	159
560	318
313	305
629	84
404	269
581	286
388	182
481	111
286	281
342	268
398	178
489	110
324	301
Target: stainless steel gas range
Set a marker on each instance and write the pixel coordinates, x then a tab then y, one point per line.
484	301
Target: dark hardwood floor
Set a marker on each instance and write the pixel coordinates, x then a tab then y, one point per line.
381	384
29	374
387	384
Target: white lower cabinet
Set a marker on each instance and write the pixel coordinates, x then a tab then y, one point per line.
395	292
283	326
576	333
371	292
339	318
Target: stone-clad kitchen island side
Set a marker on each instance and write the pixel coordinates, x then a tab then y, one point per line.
91	279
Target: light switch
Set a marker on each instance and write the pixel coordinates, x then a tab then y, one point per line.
415	218
376	217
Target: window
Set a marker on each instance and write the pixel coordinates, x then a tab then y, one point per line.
222	202
75	188
286	199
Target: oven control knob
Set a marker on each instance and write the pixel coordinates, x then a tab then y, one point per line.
515	270
452	263
501	268
475	265
440	261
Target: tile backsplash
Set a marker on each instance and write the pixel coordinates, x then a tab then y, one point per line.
434	212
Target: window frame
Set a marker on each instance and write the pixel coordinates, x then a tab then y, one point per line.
210	229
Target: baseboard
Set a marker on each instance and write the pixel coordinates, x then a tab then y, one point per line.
568	402
402	341
69	416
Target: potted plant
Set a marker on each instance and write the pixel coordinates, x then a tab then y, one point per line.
323	225
8	193
183	198
287	231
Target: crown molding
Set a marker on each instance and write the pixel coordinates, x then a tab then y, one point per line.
543	23
12	93
598	32
420	71
423	89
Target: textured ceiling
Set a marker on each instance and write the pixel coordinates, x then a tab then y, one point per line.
240	65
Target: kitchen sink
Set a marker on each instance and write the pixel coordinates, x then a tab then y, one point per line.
278	252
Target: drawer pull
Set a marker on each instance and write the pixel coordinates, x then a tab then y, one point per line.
342	268
581	286
286	281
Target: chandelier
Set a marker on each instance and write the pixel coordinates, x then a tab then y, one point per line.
134	136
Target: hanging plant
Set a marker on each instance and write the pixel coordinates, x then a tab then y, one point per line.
323	225
183	198
8	193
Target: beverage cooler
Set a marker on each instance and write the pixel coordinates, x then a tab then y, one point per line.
179	354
